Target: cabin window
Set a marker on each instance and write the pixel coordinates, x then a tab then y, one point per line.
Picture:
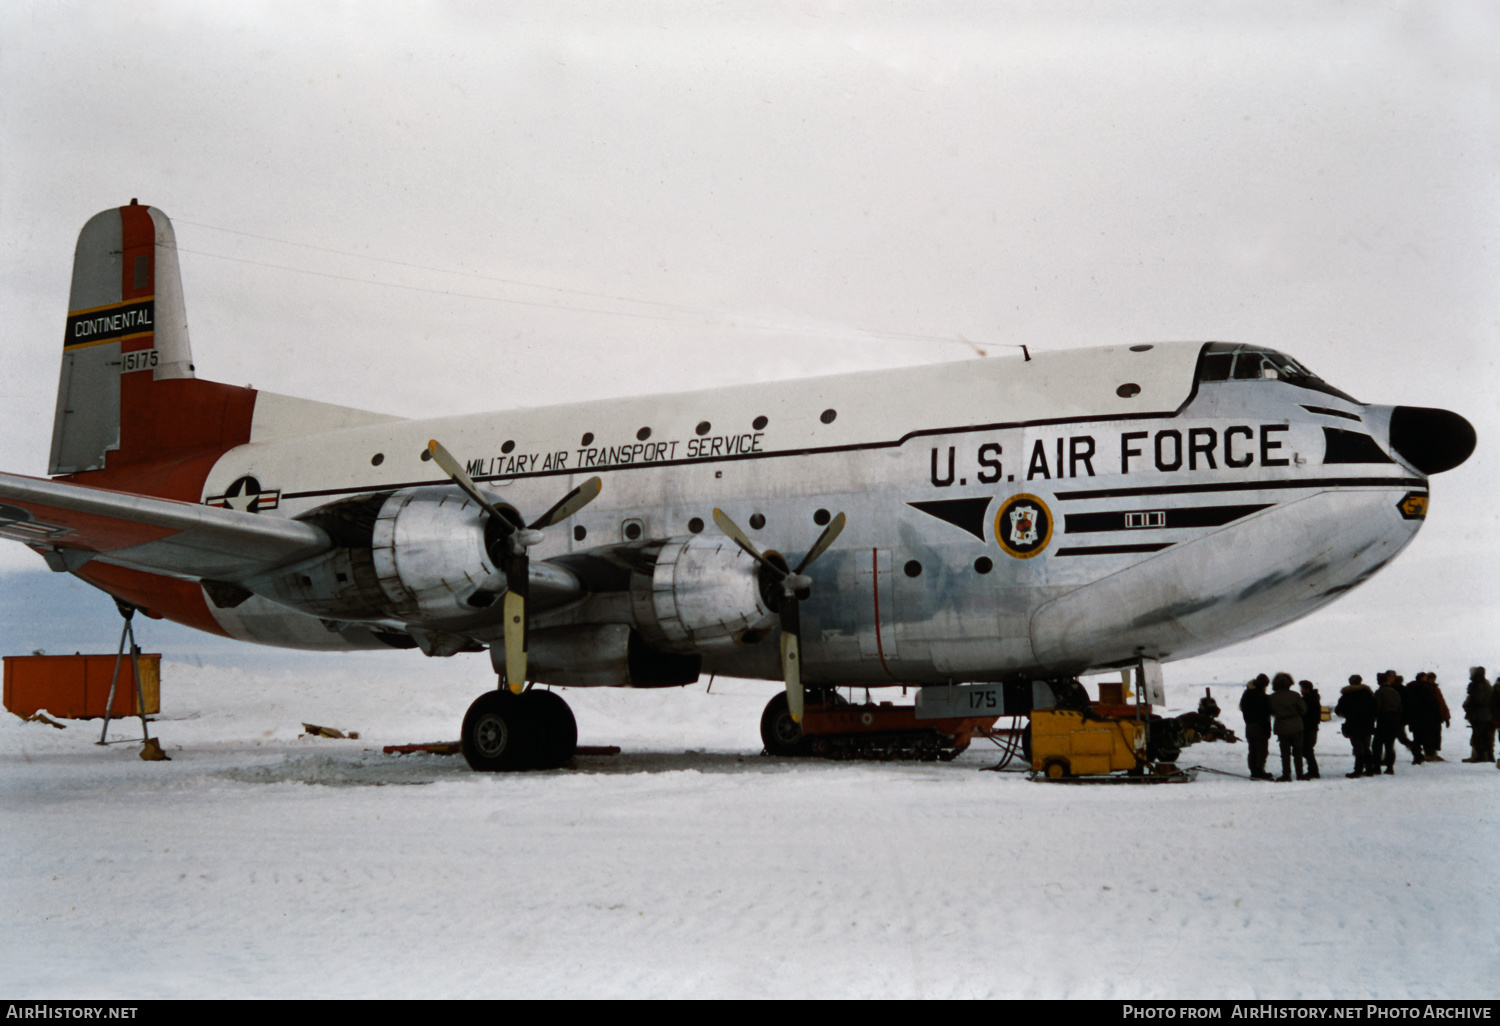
1215	367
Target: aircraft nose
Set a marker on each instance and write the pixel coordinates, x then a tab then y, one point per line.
1431	440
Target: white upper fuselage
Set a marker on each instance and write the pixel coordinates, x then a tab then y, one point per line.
1073	510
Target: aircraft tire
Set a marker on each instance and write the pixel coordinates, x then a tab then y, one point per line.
781	734
554	731
495	733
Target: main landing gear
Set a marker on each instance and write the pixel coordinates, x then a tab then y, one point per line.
532	730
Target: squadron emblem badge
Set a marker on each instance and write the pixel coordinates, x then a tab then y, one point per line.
1023	527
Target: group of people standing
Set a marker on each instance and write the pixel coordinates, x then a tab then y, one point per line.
1296	719
1374	721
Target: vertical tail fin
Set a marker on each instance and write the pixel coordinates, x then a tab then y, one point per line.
127	394
125	313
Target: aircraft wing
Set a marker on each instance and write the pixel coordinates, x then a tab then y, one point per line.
71	524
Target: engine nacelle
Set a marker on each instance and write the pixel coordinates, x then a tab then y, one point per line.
417	555
429	551
703	594
602	655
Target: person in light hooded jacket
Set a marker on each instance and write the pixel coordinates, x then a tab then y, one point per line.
1387	721
1288	708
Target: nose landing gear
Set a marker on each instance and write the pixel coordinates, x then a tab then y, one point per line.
532	730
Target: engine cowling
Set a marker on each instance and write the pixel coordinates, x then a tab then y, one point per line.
416	555
702	594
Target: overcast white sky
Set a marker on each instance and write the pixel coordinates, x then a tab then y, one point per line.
609	200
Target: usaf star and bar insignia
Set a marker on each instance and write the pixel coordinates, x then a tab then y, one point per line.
247	496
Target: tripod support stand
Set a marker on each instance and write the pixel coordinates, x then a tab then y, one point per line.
128	633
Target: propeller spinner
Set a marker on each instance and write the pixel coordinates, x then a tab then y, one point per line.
795	586
514	539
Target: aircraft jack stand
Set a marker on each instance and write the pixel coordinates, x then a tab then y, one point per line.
151	750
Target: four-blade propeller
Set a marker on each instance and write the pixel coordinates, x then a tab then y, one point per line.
794	587
508	538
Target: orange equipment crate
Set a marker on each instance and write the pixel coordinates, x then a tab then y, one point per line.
77	686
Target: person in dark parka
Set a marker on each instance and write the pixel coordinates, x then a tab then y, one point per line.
1420	713
1434	715
1357	706
1477	710
1257	712
1288	708
1494	720
1310	724
1399	683
1388	713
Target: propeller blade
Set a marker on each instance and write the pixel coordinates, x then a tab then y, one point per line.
569	504
516	564
732	529
443	458
821	545
514	605
791	669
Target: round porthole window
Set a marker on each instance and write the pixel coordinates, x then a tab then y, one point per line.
1128	390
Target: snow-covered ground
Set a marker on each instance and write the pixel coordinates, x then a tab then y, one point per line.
261	863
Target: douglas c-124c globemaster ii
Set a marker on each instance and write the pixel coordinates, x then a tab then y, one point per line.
984	521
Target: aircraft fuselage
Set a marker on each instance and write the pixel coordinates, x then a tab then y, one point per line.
1005	516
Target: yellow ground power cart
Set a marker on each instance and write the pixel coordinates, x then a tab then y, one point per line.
1068	744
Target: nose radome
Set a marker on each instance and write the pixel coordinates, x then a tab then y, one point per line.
1431	440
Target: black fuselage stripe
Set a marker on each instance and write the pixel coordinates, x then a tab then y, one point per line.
868	447
1325	411
735	457
1246	486
1172	517
1111	550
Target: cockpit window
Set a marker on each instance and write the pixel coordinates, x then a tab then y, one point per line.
1247	366
1227	361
